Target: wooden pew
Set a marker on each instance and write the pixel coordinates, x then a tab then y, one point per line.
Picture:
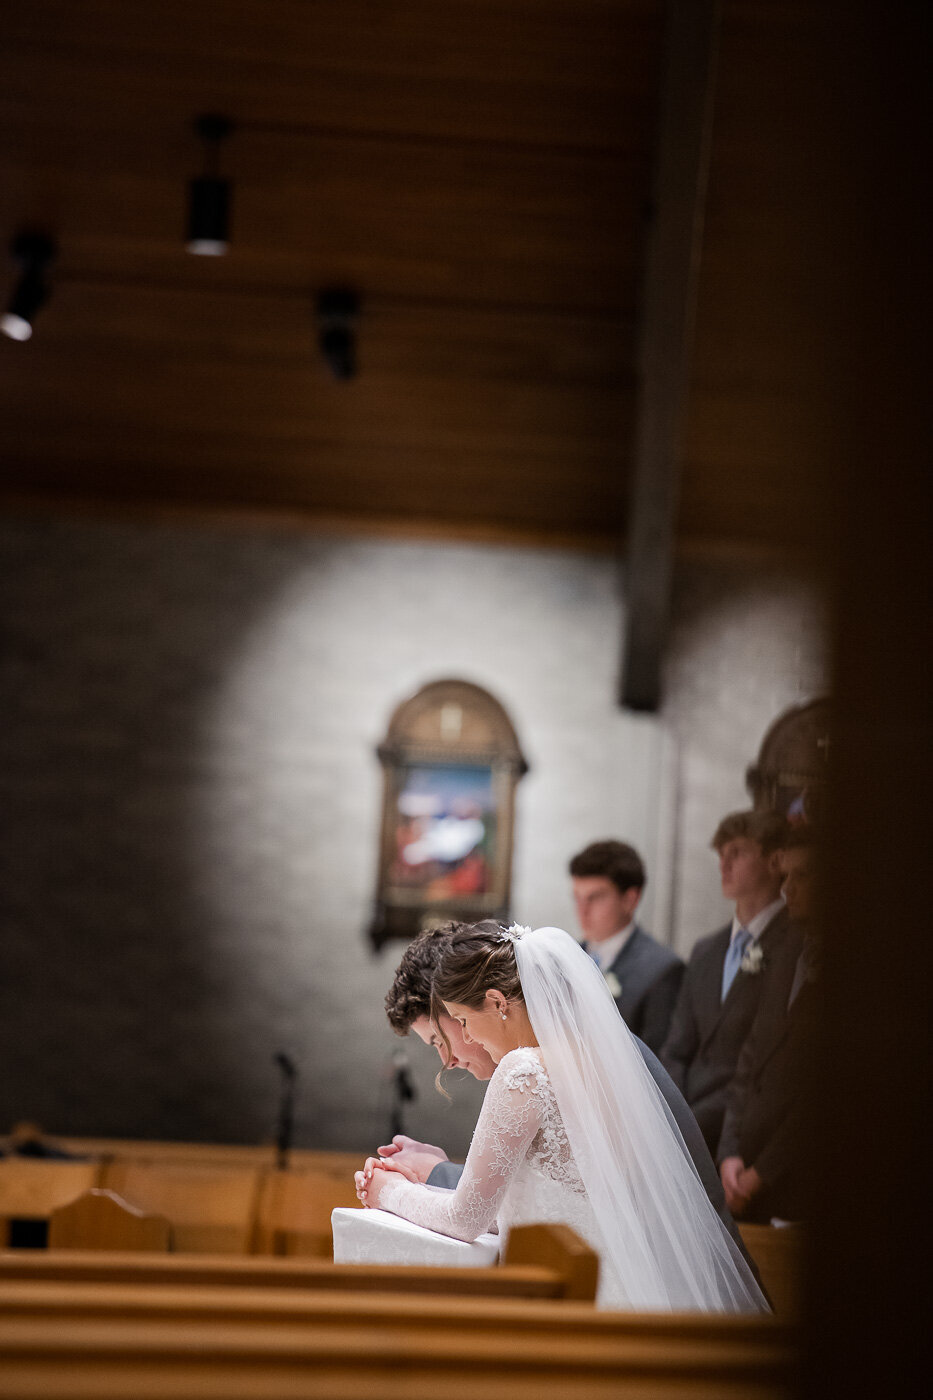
216	1154
100	1219
158	1347
542	1261
32	1188
99	1326
294	1211
212	1209
342	1164
778	1252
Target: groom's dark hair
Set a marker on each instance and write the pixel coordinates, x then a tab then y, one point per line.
410	994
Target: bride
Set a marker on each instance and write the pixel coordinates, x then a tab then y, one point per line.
573	1129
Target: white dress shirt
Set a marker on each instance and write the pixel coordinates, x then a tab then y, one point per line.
759	923
606	952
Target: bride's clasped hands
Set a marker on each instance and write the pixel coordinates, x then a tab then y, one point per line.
371	1180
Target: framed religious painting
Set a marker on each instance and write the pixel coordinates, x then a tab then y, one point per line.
451	762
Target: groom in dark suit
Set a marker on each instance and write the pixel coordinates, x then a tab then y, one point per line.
722	986
643	976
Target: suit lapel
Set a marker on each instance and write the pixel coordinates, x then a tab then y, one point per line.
624	968
627	955
783	1015
773	1044
710	990
741	988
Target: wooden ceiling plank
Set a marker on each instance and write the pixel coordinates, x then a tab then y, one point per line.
510	227
500	70
670	295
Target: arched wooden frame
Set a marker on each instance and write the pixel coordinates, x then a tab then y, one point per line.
451	750
790	775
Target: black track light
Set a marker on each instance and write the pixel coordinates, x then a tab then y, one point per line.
32	252
209	194
337	313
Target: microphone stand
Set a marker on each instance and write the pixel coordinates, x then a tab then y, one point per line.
283	1137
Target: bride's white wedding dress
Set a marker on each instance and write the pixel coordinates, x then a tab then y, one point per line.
520	1171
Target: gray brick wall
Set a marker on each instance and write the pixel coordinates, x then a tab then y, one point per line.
192	797
749	640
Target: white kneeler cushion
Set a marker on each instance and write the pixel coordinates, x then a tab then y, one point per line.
378	1237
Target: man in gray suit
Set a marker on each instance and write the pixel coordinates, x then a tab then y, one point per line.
408	1007
722	986
643	976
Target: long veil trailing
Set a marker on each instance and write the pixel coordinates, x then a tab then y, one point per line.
664	1241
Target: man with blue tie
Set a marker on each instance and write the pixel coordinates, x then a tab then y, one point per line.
722	986
643	976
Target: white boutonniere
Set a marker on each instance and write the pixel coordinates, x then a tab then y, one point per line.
752	959
613	983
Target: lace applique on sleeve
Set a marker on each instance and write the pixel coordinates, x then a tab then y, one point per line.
512	1113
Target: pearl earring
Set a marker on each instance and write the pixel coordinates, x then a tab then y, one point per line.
502	1014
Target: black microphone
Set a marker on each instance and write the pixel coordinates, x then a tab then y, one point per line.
283	1137
403	1091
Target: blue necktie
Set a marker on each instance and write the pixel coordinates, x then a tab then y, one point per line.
595	956
734	954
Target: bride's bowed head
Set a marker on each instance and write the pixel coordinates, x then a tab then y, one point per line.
514	987
478	986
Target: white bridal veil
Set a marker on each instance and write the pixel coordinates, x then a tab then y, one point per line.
664	1240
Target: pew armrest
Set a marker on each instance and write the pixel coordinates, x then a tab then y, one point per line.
557	1248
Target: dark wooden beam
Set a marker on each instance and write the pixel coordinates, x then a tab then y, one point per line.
669	305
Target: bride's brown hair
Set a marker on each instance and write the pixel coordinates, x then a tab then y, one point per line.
475	957
475	960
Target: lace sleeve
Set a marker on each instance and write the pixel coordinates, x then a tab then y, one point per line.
512	1113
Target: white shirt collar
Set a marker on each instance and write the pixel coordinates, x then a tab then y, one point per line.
760	922
610	948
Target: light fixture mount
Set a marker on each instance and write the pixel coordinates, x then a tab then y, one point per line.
213	128
208	193
33	252
338	310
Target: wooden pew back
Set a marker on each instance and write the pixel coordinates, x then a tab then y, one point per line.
292	1209
778	1252
102	1220
295	1209
542	1261
32	1188
212	1209
214	1154
353	1346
